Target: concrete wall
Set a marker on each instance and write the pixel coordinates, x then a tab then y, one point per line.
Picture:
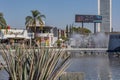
114	41
72	76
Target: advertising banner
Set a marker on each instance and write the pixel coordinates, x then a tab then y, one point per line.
88	18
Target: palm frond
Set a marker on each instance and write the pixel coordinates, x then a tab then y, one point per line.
35	13
28	20
2	21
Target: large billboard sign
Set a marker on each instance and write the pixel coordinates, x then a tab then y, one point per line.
88	18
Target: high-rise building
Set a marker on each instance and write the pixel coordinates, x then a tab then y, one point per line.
105	10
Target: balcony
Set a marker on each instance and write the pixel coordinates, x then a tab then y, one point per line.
43	34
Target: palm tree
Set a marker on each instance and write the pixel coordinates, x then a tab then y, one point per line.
36	17
3	23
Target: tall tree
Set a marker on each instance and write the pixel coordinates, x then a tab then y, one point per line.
32	20
3	23
67	30
70	30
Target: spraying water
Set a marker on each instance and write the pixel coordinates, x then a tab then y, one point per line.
98	40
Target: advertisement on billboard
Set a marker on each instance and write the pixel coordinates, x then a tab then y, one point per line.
88	18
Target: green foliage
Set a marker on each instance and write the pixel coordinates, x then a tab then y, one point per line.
67	30
70	30
36	16
81	30
25	63
58	43
64	38
3	23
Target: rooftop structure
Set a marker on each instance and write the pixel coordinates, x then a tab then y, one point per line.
14	33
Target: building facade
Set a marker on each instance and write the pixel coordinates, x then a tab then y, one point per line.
19	35
14	35
105	10
43	35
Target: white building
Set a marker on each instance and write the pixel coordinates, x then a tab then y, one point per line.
14	33
105	10
46	38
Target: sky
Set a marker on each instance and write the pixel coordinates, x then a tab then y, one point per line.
58	13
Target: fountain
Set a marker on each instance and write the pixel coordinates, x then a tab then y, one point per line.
98	40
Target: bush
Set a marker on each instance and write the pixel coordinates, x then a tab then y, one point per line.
58	43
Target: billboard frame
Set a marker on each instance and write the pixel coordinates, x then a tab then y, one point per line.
88	18
79	18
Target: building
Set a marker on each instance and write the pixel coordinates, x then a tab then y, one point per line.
43	37
105	10
43	34
14	35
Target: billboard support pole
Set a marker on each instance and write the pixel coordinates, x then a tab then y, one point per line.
94	27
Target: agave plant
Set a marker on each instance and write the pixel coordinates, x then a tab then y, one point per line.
25	63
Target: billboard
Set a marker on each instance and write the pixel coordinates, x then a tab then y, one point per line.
88	18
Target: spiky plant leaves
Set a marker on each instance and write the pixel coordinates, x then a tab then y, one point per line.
24	63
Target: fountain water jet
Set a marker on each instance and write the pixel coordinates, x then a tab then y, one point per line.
98	40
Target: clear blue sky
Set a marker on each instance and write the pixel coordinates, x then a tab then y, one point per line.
58	13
